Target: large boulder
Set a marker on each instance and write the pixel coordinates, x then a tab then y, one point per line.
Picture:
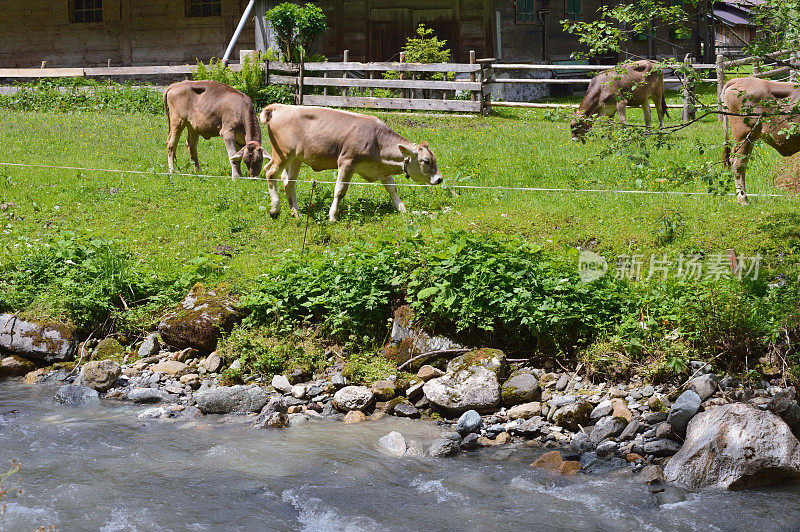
14	366
226	399
353	398
735	446
46	342
472	382
683	410
200	319
520	388
408	339
99	375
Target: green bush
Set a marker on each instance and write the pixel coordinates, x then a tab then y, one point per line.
295	27
250	79
78	94
263	354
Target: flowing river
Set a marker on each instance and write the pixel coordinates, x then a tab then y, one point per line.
102	468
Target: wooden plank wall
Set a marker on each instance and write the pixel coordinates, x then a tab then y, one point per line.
139	32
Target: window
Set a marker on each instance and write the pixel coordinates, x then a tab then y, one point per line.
203	8
525	11
574	9
87	10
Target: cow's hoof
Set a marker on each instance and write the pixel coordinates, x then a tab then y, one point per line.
274	215
295	213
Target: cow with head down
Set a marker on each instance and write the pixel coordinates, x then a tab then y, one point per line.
613	91
758	109
212	109
328	139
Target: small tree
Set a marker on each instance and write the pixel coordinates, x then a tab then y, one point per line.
296	27
426	47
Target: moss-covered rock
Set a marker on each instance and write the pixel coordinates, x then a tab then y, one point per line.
574	415
108	349
520	388
200	319
40	341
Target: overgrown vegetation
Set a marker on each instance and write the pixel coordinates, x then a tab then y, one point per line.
250	79
296	27
79	94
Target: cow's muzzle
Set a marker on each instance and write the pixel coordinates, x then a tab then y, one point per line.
437	179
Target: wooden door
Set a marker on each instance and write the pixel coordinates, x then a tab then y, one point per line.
389	29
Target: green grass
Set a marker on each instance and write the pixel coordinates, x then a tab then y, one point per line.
167	220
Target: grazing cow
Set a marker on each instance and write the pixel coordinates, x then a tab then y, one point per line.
612	91
213	109
773	106
327	139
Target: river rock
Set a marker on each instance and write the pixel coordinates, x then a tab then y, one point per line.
99	375
573	416
273	415
46	342
470	421
735	446
353	398
405	409
145	395
662	447
393	443
651	474
704	385
383	390
170	367
620	409
520	388
213	362
150	347
281	383
108	348
409	339
602	409
428	372
15	366
75	395
525	410
227	399
530	427
471	382
470	441
200	319
355	416
683	410
444	447
607	427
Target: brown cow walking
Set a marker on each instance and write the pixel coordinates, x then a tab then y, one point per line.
773	107
327	139
212	109
612	91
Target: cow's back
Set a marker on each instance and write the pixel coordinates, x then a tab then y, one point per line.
208	105
320	136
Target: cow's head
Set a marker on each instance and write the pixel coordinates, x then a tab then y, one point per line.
253	155
579	126
419	164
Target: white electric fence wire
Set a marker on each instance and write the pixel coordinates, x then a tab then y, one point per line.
499	188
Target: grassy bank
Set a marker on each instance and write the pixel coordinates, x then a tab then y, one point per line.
173	230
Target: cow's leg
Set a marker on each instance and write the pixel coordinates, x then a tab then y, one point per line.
621	106
230	144
290	186
391	188
191	145
342	182
175	130
741	154
276	167
646	111
657	101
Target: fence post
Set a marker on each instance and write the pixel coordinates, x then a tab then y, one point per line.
300	75
487	77
345	59
472	74
720	82
402	60
689	110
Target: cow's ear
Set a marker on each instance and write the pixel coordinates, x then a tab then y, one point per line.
405	150
237	157
265	153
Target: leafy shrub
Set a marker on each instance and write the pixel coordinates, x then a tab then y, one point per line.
78	94
250	79
266	355
295	27
367	368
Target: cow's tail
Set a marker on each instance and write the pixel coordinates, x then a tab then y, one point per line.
664	104
726	151
266	114
166	107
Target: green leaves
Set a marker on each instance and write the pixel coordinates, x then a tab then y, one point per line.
295	27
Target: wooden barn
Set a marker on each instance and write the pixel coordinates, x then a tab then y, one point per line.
163	32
